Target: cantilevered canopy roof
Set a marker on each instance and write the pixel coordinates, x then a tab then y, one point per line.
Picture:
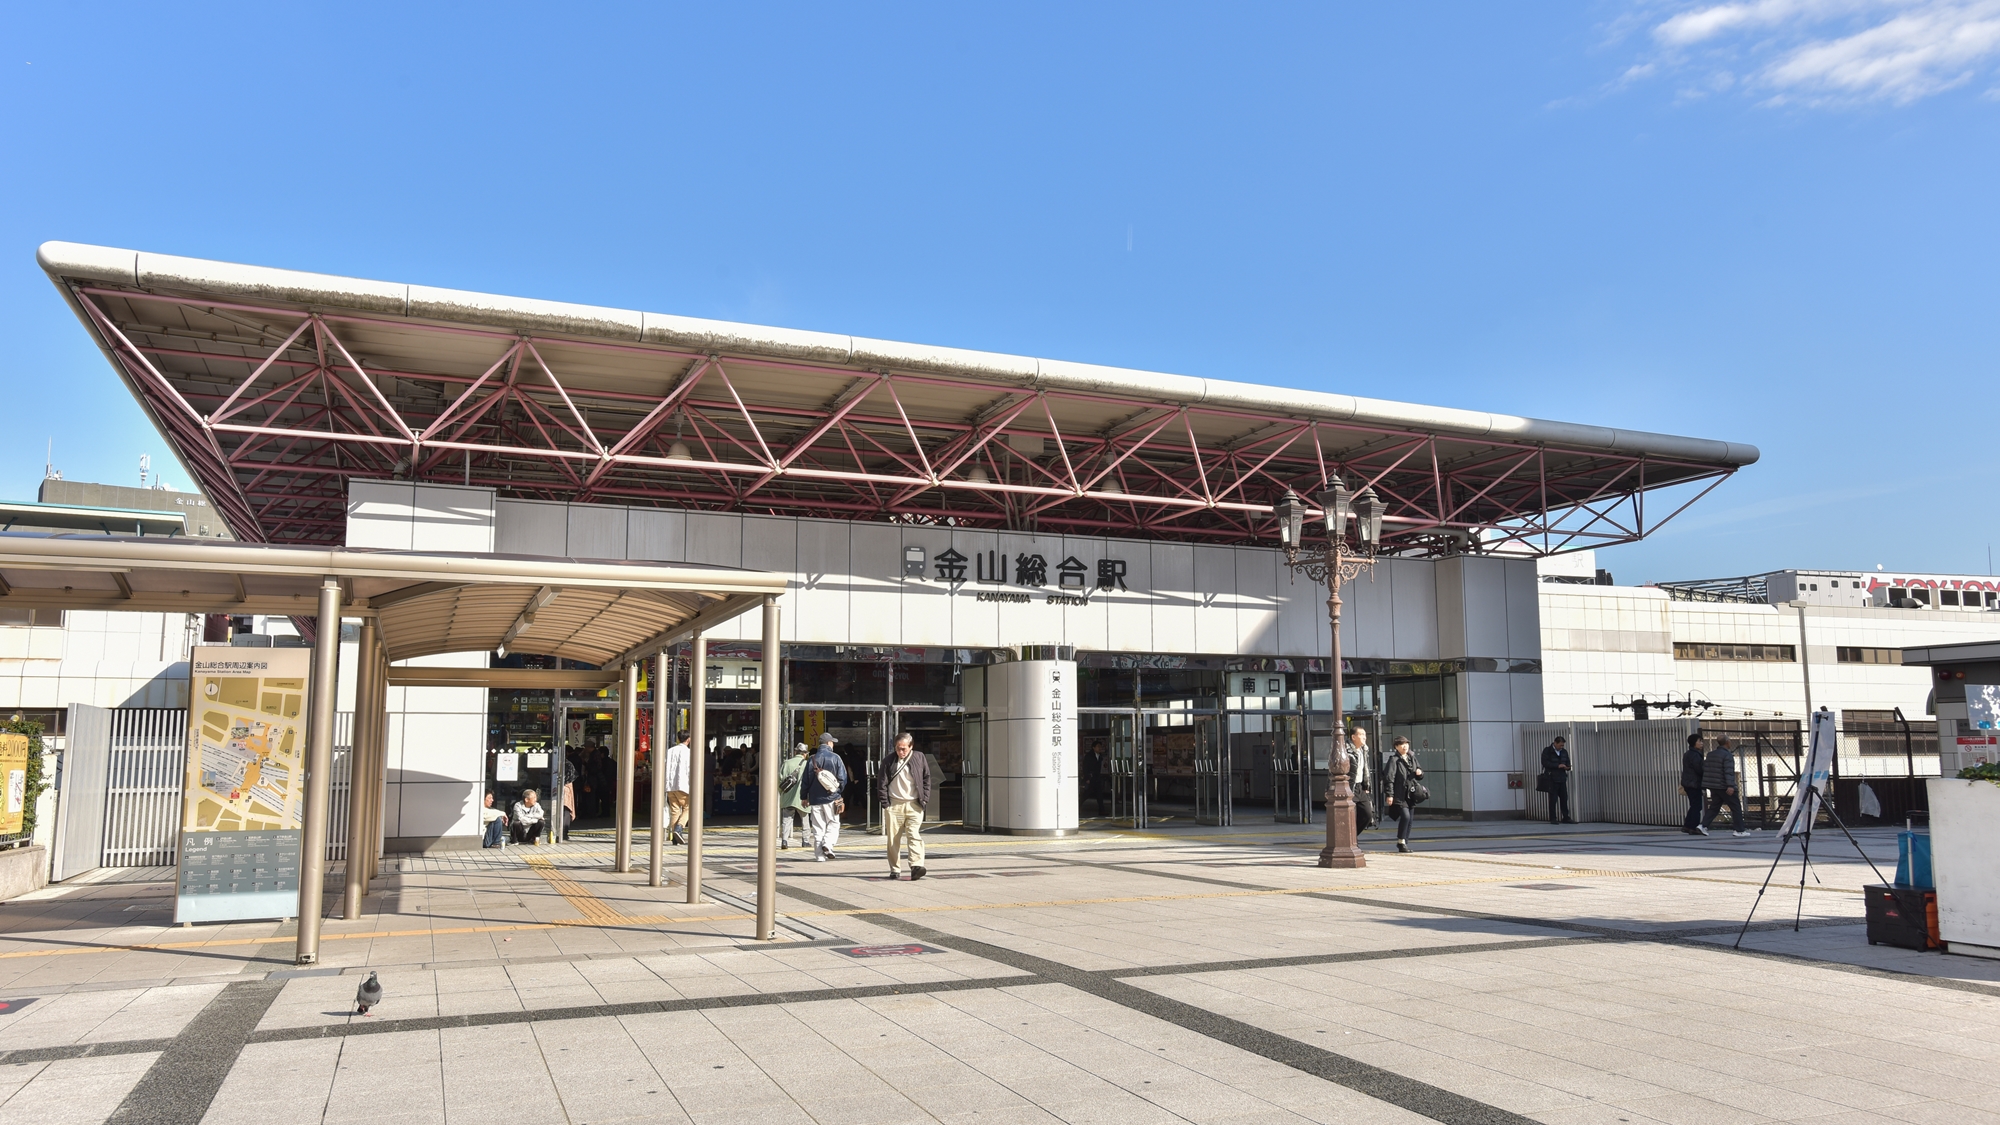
598	612
277	386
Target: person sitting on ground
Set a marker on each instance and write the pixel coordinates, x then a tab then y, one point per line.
528	813
494	820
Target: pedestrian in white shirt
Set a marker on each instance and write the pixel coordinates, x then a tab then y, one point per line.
673	773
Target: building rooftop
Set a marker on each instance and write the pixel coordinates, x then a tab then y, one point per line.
277	386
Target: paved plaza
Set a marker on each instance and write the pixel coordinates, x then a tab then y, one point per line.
1503	972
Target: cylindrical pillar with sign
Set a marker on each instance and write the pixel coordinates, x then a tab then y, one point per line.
1031	752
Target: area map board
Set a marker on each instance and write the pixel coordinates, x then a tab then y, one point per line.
244	791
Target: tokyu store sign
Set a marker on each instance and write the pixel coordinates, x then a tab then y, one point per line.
244	790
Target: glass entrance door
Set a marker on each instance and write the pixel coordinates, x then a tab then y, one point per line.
1212	804
1111	778
857	734
972	775
1291	772
1128	773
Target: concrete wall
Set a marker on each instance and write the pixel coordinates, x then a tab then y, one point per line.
436	736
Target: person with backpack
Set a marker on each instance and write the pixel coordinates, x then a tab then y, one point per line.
825	781
791	797
1405	790
1691	771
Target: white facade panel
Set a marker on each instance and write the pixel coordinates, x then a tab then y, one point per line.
1524	617
821	603
1485	607
1370	601
531	527
656	535
875	603
1413	595
1257	612
1214	591
715	538
1129	612
451	519
1450	608
381	514
1177	601
597	531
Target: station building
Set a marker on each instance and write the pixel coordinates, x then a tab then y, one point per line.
945	514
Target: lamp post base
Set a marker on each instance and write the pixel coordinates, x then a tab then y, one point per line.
1343	838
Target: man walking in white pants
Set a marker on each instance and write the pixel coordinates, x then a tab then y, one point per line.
825	780
904	787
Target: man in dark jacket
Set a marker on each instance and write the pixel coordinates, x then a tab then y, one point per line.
904	787
823	801
1718	776
1555	779
1691	769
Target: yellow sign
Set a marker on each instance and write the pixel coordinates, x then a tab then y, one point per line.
14	776
815	726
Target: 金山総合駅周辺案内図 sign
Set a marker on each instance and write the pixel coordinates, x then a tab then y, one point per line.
243	796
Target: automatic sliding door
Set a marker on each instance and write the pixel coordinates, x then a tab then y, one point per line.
1212	804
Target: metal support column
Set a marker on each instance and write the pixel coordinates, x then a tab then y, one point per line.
378	765
697	757
663	717
628	752
360	770
319	767
772	730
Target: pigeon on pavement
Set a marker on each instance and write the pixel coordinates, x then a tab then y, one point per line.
368	995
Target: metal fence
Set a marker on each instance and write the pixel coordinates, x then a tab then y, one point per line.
1620	772
120	804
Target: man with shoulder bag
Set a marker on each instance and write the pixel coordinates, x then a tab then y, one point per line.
904	786
825	781
1360	778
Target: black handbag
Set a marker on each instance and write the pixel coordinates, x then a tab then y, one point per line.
1545	783
1364	808
1419	792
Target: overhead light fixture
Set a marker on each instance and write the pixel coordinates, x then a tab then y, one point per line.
977	475
678	451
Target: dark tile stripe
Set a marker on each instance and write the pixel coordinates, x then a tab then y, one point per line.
1684	936
1340	958
82	1051
1387	1086
631	1008
178	1087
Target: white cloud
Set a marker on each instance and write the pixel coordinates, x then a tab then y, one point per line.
1827	52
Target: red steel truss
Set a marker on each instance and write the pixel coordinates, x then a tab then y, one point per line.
275	409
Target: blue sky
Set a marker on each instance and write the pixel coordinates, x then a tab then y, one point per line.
1770	221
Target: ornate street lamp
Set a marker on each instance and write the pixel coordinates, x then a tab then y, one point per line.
1336	562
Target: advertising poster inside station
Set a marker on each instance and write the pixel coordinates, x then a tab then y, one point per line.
244	793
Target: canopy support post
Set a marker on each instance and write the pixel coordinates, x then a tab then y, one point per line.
361	771
697	758
319	765
628	746
767	782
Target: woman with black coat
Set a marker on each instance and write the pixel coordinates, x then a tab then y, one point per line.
1399	779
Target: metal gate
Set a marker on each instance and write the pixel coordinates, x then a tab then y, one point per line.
120	802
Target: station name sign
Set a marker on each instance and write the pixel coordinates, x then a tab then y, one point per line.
1020	577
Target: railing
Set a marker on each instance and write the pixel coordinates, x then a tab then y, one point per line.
143	763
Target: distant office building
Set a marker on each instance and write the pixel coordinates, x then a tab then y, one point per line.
1751	645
